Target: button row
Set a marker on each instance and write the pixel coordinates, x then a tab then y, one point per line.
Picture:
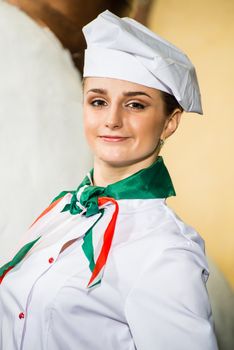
21	314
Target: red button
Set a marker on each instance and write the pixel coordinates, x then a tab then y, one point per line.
51	260
21	315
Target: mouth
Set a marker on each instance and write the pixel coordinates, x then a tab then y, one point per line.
108	138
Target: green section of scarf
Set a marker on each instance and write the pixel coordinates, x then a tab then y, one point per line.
87	245
148	183
18	257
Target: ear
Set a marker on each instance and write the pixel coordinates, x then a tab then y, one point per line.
171	124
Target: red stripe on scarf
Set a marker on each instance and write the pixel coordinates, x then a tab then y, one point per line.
49	208
108	236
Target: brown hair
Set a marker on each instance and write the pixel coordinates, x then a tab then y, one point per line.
170	103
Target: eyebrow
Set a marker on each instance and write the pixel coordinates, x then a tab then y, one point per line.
98	91
128	93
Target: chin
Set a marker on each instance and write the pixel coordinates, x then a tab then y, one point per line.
113	158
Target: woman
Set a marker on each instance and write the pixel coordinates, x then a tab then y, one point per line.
110	265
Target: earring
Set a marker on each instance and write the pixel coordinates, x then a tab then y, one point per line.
161	143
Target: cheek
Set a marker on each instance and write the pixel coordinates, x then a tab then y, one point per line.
149	130
90	123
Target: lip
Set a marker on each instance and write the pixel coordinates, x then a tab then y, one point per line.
108	138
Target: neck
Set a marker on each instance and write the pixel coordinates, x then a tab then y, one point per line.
106	173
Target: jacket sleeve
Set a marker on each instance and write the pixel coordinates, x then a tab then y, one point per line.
168	307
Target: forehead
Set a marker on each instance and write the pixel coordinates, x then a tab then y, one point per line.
112	85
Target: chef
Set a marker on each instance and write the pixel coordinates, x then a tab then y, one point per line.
110	265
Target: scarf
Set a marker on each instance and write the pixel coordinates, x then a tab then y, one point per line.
149	183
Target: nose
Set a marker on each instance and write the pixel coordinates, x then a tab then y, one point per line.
114	118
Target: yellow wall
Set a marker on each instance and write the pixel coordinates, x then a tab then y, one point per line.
200	155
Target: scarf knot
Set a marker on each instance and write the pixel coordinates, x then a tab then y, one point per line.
85	200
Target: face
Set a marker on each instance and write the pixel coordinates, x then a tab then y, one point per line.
124	121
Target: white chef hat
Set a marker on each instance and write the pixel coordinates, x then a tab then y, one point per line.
124	49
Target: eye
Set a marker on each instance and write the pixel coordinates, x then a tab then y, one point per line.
98	103
136	105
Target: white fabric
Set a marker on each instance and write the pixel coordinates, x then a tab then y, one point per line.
42	148
222	303
152	295
124	49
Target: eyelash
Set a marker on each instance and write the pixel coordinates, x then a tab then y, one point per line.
133	105
136	105
101	103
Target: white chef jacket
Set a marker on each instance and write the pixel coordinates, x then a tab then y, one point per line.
152	295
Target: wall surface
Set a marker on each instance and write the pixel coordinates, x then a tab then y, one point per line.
199	155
